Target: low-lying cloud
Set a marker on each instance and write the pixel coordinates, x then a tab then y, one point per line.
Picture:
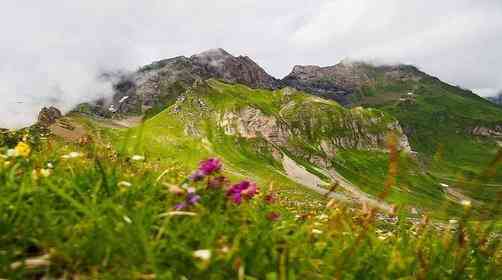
53	52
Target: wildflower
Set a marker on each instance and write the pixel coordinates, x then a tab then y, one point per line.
127	219
137	158
45	172
270	198
197	176
244	189
204	255
191	199
316	231
50	165
453	222
323	217
217	183
209	166
22	149
273	216
466	203
11	153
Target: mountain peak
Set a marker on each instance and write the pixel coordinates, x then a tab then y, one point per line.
212	55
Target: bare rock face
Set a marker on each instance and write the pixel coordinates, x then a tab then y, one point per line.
495	131
49	116
155	84
241	69
252	123
340	81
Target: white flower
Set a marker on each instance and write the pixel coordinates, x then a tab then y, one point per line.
323	217
50	165
127	220
45	172
11	153
138	158
466	203
453	222
443	185
124	184
316	231
204	255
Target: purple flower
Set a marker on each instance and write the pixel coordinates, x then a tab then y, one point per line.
198	175
191	199
181	206
242	190
209	166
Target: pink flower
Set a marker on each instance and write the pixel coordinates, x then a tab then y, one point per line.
273	216
209	166
242	190
270	198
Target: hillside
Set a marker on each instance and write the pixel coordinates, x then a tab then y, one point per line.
294	186
93	198
455	132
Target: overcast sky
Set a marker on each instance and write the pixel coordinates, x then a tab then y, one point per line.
51	51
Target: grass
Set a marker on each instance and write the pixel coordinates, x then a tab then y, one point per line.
105	213
89	224
438	119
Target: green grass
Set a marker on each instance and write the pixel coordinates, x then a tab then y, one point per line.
438	121
106	216
92	227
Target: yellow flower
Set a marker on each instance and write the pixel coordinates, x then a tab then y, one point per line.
22	149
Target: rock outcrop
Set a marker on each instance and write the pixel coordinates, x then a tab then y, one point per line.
161	82
341	81
494	131
49	116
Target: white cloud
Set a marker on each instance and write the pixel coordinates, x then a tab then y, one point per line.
52	51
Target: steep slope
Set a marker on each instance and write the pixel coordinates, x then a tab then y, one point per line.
342	81
435	115
497	99
288	137
155	86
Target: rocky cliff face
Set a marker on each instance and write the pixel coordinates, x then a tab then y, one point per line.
494	131
339	82
305	126
155	84
49	116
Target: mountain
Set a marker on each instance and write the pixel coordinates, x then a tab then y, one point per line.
342	81
453	134
154	86
497	99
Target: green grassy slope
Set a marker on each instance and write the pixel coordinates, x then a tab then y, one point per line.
438	119
164	138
